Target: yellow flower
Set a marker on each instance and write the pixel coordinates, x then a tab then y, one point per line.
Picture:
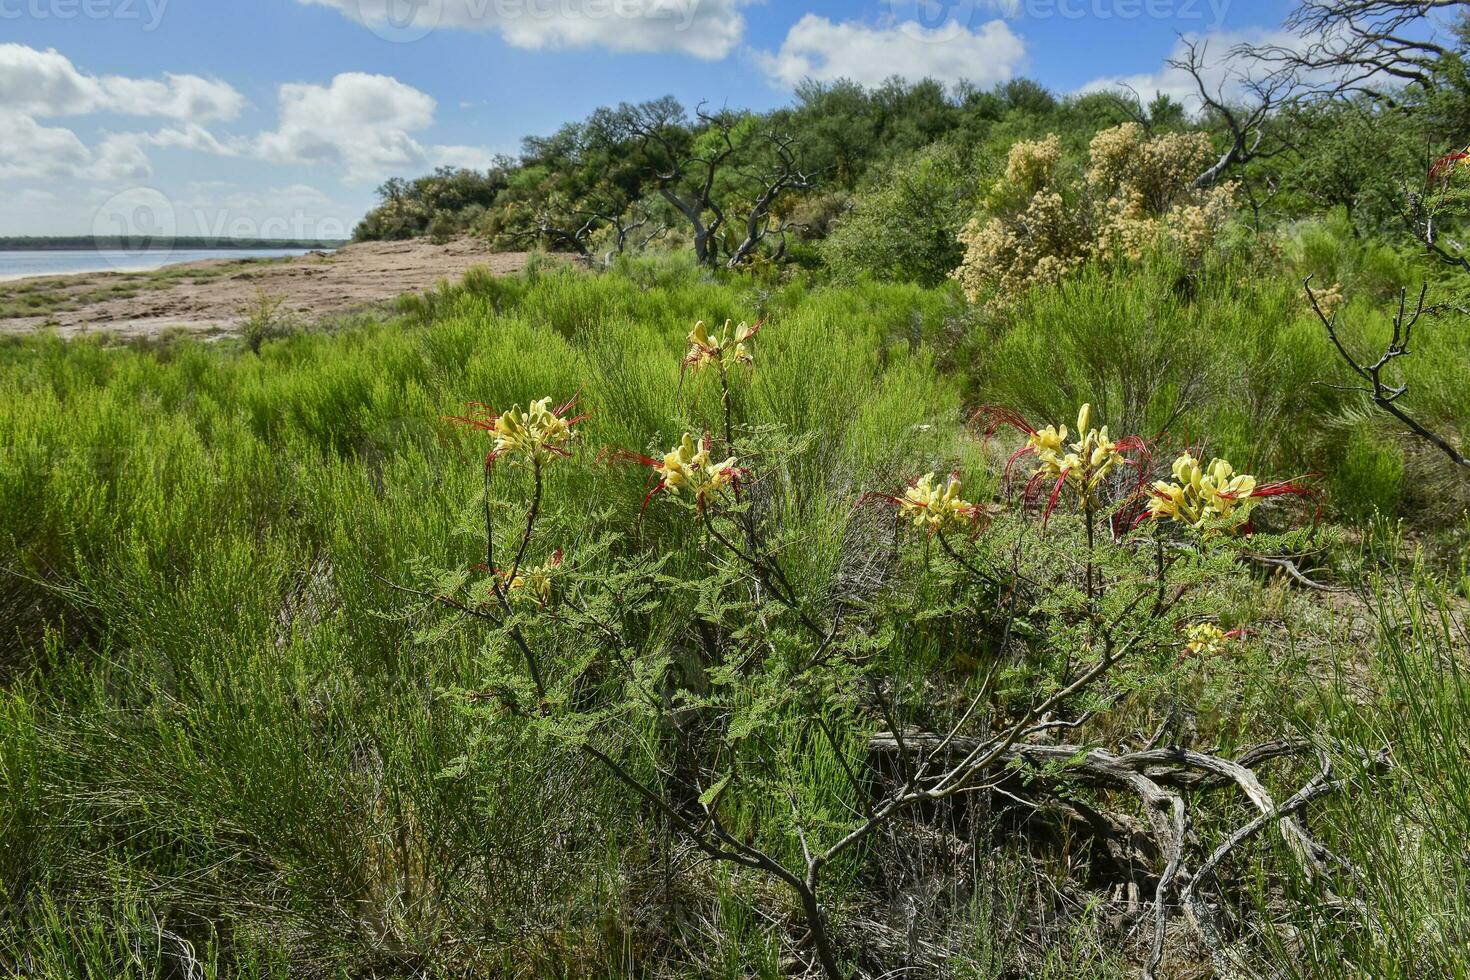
539	433
533	584
1207	640
1082	465
727	346
936	508
1048	442
1203	495
688	467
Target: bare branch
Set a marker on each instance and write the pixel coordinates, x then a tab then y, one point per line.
1384	395
1246	125
1357	47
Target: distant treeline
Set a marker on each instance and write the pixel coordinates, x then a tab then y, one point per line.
137	244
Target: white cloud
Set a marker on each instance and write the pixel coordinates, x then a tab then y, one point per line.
363	123
708	29
190	136
120	157
177	97
34	198
818	48
38	85
32	150
359	127
46	83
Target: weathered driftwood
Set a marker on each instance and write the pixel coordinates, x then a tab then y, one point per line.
1155	776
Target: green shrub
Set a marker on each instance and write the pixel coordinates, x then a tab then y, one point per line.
267	319
905	228
230	747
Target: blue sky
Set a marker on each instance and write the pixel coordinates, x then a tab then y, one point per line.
281	116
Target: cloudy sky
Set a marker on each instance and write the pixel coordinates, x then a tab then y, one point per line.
278	118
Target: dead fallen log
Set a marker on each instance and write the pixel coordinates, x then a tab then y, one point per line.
1155	777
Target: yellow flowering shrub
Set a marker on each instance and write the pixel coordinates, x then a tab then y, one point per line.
1329	300
1206	640
532	584
688	466
1193	227
1136	191
1039	246
1031	163
1155	171
538	434
1084	464
1095	467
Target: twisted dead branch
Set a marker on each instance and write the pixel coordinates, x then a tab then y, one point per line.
1156	776
1385	395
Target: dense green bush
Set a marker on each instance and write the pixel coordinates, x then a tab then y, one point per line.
906	228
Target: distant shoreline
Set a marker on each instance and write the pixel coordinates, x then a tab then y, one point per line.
215	291
91	244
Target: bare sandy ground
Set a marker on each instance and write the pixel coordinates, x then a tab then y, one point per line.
312	287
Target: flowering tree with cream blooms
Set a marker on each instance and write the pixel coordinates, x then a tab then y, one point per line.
1041	221
705	658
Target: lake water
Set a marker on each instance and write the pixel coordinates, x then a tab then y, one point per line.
20	265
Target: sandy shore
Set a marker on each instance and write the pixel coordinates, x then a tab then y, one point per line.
15	278
216	297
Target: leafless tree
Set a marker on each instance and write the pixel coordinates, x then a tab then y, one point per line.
625	224
1384	394
1245	121
558	228
622	222
1442	195
1130	107
1351	47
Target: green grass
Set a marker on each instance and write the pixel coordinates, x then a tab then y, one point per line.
225	752
207	713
